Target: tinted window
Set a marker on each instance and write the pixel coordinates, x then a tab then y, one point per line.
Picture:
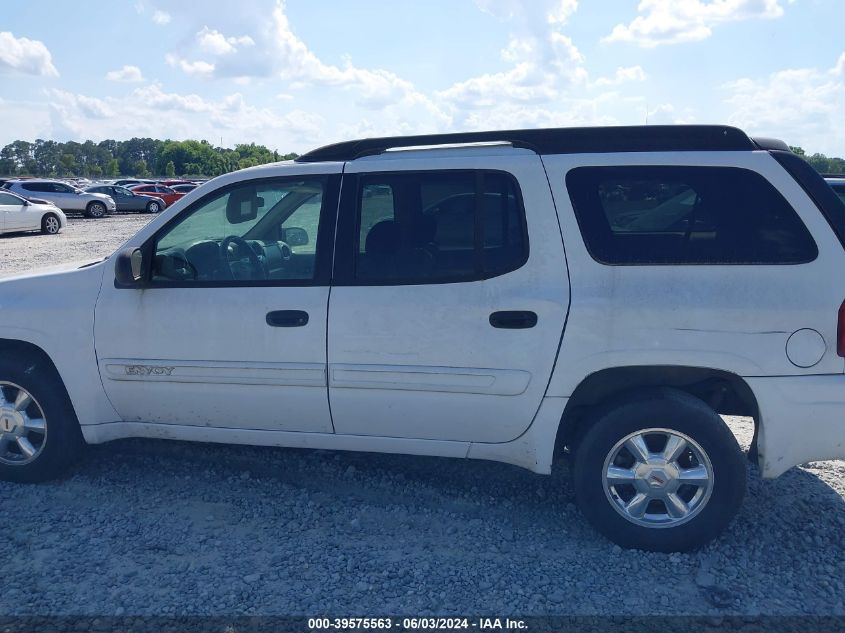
6	199
840	191
439	226
240	235
35	186
686	215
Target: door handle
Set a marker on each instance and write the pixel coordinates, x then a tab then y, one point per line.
287	318
514	319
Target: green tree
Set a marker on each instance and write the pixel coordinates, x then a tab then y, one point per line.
112	158
140	168
67	165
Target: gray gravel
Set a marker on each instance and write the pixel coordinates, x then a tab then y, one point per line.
82	239
157	528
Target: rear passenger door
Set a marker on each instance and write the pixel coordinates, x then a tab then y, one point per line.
449	297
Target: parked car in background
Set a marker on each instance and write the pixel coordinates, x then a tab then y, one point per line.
127	200
131	182
184	188
169	182
838	185
67	198
159	191
19	214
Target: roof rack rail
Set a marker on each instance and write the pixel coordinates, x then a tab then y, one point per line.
574	140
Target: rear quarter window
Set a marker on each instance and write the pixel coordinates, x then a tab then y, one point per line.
686	215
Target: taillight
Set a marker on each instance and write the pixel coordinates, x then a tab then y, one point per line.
840	331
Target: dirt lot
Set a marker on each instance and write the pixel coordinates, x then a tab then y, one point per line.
83	239
151	528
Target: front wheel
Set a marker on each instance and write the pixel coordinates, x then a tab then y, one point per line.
39	432
661	473
153	207
95	210
50	224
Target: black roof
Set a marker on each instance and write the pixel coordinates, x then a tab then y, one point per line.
575	140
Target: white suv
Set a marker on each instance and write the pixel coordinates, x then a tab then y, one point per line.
602	294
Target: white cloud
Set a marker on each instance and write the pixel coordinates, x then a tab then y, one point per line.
547	11
152	111
22	55
127	73
839	68
622	75
676	21
545	65
214	42
804	106
161	17
376	88
560	13
196	68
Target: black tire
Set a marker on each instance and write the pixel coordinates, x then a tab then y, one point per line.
63	442
95	210
674	411
153	207
50	224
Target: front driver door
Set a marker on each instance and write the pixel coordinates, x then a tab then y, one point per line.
13	215
231	329
123	198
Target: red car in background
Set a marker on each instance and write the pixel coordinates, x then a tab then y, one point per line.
158	191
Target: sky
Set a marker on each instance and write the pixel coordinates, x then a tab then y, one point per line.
296	74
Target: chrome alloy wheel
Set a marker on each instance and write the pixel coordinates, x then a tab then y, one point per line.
658	478
23	427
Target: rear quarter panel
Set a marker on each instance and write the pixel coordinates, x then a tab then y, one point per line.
735	318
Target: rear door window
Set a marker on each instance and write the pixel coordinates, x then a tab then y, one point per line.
430	227
686	215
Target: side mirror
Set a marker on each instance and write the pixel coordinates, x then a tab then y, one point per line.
295	236
128	268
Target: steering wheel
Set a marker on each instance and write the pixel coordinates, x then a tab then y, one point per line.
257	270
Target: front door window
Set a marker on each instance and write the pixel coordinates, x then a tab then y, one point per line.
257	231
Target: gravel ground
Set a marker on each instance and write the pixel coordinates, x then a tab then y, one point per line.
160	528
82	239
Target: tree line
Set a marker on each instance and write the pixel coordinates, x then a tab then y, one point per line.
822	164
146	157
137	157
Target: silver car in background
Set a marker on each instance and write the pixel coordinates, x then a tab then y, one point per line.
64	196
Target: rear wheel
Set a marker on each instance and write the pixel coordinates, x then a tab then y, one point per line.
39	432
50	224
95	210
661	472
153	207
